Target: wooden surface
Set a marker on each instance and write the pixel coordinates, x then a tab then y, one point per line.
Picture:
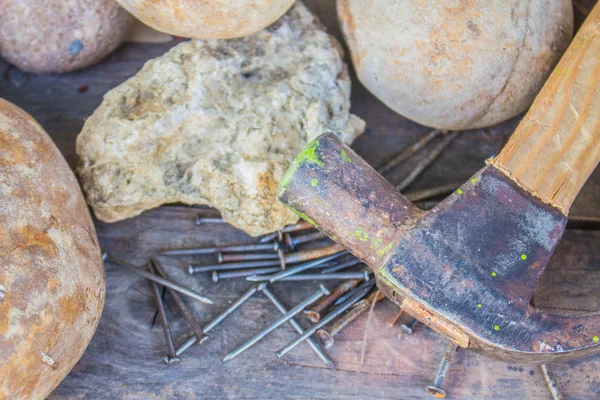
557	144
123	360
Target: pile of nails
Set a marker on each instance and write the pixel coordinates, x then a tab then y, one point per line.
279	257
276	257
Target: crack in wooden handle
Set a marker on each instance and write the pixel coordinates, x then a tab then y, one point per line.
556	146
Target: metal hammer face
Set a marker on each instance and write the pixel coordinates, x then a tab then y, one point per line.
467	268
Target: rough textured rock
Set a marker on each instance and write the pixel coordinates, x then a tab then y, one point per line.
51	272
456	64
60	35
208	19
218	123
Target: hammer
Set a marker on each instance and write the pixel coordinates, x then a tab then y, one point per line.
468	268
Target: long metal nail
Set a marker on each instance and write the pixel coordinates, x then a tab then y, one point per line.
271	237
314	314
370	283
165	282
284	259
195	269
344	265
409	328
292	242
228	311
300	226
171	355
216	276
303	267
407	152
436	388
223	249
427	161
185	311
426	194
307	255
204	220
308	333
314	277
552	382
313	345
328	264
221	258
290	314
327	337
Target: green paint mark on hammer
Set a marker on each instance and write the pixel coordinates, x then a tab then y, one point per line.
306	157
345	156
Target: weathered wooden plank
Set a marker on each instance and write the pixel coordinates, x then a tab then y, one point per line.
126	348
124	358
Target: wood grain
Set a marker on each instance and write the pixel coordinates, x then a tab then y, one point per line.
557	145
123	360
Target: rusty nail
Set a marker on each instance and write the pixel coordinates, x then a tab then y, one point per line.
427	161
284	259
223	249
171	354
185	311
216	276
369	283
286	317
552	382
314	314
205	220
306	255
221	258
329	317
313	345
327	337
303	267
228	311
292	242
407	152
408	328
314	277
194	269
436	388
300	226
396	318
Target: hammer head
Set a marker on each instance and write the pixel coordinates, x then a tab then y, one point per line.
467	268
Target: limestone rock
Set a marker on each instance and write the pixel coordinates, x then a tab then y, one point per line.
218	123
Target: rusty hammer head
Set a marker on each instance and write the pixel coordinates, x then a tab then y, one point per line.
467	268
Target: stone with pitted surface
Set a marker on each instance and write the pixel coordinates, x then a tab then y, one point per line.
217	123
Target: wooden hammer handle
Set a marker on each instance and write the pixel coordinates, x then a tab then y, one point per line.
556	146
